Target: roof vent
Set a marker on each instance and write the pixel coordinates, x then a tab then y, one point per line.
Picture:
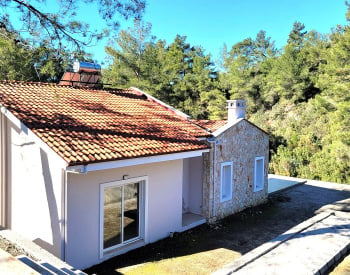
84	74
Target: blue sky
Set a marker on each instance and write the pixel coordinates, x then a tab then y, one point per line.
212	23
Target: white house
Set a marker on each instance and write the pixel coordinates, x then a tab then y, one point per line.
89	173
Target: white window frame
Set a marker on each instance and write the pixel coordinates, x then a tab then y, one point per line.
259	176
223	196
142	213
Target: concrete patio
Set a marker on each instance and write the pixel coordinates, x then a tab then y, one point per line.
311	247
278	183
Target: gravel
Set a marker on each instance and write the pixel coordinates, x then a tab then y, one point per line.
12	248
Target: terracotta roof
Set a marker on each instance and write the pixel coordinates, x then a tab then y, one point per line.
85	125
210	125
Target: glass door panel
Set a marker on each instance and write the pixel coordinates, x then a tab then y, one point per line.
131	211
121	214
112	220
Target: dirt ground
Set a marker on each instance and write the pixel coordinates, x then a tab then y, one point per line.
209	247
343	268
11	248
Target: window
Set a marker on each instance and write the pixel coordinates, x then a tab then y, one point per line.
259	174
122	213
226	181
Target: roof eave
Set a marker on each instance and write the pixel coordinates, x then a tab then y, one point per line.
221	130
90	167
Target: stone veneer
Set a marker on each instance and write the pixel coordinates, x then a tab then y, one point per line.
240	143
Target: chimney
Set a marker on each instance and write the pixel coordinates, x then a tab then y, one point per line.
236	109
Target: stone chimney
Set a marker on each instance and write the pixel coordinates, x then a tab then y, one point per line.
236	109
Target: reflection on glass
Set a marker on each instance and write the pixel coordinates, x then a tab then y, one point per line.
112	220
131	211
121	214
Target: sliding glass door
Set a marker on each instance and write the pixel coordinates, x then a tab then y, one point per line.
121	212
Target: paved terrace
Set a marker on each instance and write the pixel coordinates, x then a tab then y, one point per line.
311	247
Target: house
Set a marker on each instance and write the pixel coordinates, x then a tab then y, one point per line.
236	167
92	173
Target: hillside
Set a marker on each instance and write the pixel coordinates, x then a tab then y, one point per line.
299	94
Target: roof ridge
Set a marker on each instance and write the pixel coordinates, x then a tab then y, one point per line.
208	119
38	83
162	104
170	108
27	82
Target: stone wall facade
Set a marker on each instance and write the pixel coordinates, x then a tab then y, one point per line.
241	144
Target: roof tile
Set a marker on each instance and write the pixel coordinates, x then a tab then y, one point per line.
86	125
210	125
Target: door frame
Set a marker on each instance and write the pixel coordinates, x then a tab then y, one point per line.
143	181
4	188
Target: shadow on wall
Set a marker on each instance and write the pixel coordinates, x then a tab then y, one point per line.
52	204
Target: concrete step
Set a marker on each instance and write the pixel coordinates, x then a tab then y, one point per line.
46	268
43	257
73	272
54	269
34	265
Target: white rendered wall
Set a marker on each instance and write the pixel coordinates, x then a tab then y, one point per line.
196	185
192	185
35	184
186	186
163	199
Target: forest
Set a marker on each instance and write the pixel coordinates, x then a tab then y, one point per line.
299	94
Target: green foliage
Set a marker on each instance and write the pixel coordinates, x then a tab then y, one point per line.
247	65
133	57
179	74
301	97
16	60
299	94
20	61
61	29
